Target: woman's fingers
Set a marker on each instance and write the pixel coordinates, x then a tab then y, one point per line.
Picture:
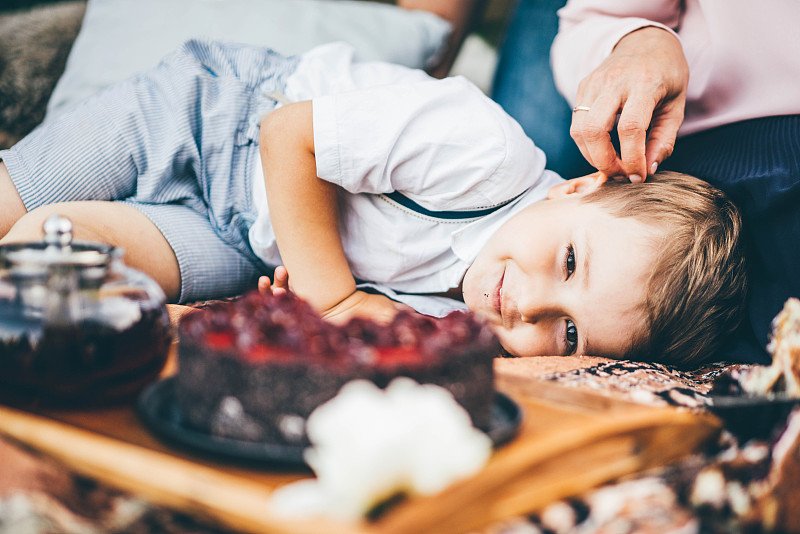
663	132
591	130
632	129
643	82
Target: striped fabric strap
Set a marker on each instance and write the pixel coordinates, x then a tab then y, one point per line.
400	198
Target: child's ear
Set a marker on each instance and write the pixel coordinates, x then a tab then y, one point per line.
578	186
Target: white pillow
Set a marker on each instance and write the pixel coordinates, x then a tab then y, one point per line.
121	37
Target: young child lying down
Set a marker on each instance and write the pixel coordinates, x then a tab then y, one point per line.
377	187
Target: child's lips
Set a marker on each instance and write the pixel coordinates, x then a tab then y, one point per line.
497	296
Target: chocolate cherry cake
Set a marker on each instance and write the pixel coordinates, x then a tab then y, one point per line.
255	368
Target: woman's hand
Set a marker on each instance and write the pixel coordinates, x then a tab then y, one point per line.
367	305
644	80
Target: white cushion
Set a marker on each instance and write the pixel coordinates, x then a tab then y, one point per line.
121	37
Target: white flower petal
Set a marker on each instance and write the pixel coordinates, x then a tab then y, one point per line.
369	444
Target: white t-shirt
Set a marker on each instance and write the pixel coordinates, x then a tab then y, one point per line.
380	128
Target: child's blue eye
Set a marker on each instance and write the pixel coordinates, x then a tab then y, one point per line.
569	261
571	337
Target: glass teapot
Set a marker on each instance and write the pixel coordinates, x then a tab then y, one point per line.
76	324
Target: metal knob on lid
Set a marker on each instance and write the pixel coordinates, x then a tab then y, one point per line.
58	231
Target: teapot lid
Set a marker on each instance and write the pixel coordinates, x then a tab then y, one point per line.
57	250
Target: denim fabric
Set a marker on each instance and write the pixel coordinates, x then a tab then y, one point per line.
524	86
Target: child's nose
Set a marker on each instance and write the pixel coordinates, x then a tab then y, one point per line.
538	302
535	314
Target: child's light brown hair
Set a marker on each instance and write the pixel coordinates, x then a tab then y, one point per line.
695	293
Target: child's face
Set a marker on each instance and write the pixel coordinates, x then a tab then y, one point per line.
563	277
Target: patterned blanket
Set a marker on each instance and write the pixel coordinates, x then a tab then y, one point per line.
737	484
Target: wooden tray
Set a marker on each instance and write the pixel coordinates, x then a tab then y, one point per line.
570	440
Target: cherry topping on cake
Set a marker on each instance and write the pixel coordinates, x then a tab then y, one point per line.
219	340
399	356
263	327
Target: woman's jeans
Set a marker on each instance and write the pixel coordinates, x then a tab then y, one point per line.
524	86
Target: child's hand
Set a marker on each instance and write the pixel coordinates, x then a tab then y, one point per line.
281	284
360	304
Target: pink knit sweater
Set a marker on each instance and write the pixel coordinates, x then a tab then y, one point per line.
743	55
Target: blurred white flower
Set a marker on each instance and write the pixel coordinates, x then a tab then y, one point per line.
369	444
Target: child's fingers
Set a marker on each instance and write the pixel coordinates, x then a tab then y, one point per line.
281	278
278	286
264	284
